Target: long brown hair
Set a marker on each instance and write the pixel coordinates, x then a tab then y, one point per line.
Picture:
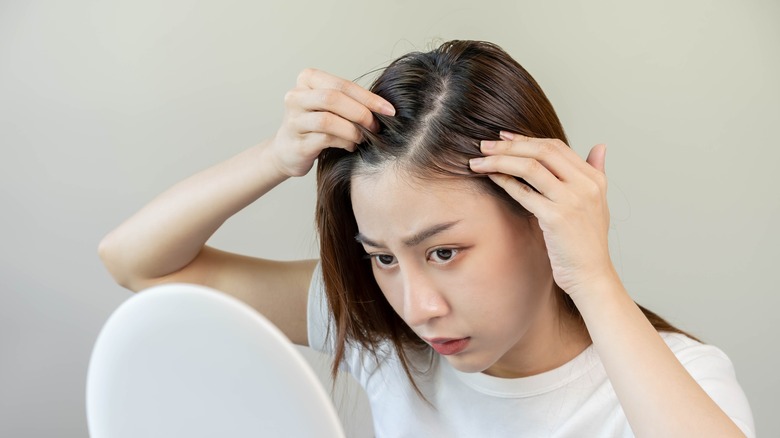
446	101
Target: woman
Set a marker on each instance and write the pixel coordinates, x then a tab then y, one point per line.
465	278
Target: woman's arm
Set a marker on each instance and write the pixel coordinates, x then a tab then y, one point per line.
165	240
162	239
657	394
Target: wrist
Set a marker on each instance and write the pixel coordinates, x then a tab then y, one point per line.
605	285
289	158
266	157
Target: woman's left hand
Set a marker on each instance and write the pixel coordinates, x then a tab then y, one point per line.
570	206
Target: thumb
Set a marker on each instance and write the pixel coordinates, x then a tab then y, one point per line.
597	156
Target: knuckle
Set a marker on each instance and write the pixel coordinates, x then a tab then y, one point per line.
522	188
558	144
366	118
332	141
329	98
493	161
296	124
354	135
317	141
532	166
545	149
312	144
593	189
342	85
305	74
290	97
322	122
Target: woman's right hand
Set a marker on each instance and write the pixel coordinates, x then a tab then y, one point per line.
321	112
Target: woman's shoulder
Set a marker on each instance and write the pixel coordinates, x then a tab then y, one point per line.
689	350
714	371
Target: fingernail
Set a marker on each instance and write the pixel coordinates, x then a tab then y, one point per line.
388	109
488	144
506	135
476	161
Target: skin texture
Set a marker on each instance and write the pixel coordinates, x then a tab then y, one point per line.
486	277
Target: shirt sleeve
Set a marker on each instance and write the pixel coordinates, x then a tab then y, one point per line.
714	372
318	321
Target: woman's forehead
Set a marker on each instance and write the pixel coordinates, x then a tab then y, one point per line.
389	200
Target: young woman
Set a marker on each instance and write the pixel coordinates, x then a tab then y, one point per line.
464	278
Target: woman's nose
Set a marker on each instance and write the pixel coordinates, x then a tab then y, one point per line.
423	300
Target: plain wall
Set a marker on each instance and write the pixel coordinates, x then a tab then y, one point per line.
104	104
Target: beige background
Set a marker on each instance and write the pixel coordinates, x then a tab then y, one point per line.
104	104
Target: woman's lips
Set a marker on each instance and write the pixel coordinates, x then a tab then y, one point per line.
448	346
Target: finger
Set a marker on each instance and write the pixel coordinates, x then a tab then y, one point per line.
567	152
522	193
328	123
597	157
333	101
312	78
548	153
531	170
317	141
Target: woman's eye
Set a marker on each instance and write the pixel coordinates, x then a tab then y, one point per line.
384	259
443	255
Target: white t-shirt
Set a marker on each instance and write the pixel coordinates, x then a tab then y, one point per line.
574	400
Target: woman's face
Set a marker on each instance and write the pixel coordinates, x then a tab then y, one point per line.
467	275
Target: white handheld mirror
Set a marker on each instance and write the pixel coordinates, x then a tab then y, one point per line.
180	360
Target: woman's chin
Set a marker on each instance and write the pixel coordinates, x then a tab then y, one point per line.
466	364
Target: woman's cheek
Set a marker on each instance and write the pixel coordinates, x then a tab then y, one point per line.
388	290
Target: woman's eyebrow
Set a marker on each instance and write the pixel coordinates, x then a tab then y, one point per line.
415	240
366	241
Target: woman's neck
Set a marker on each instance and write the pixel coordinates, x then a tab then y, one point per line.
555	338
